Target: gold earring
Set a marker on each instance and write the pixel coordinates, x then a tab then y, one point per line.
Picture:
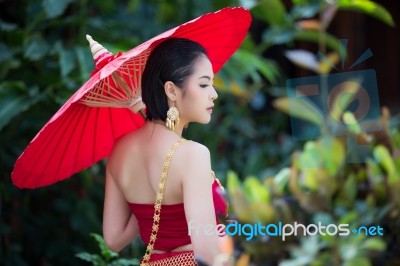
172	118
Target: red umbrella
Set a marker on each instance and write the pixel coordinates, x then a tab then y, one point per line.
84	129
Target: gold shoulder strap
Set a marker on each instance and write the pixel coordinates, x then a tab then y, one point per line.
157	205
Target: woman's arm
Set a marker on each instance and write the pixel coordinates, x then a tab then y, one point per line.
120	226
198	200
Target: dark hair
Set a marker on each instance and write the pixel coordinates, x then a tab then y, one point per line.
172	60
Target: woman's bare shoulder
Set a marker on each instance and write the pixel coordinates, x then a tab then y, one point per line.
195	149
195	159
123	146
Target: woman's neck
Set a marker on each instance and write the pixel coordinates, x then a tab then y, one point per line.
178	130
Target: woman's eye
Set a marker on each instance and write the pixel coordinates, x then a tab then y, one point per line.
203	85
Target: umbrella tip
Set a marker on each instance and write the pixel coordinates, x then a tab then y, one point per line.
96	48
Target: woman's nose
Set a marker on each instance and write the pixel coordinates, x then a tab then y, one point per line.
214	94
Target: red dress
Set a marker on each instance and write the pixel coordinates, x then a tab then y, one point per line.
173	229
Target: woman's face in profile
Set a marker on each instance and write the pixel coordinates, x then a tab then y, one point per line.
198	95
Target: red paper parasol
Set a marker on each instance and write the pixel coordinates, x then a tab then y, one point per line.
84	129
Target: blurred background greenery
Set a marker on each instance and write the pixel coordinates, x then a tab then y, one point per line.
270	177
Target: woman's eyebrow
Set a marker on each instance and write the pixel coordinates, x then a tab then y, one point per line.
205	77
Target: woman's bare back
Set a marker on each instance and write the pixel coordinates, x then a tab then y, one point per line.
137	162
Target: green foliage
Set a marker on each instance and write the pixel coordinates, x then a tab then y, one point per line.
16	98
106	257
54	8
368	7
318	185
272	12
329	191
285	26
292	105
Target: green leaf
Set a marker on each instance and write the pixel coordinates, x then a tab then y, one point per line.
278	35
348	252
311	178
6	26
316	36
342	100
66	60
95	259
281	179
383	156
107	253
374	243
237	198
255	191
302	2
233	182
36	48
367	7
350	120
5	52
253	63
55	8
271	11
15	98
333	154
67	63
245	66
374	172
350	217
85	256
358	261
310	157
305	10
350	188
259	200
85	61
300	108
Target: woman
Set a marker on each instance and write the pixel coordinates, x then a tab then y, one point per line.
178	78
146	164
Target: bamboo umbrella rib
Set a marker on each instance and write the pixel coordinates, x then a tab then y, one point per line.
119	93
122	84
